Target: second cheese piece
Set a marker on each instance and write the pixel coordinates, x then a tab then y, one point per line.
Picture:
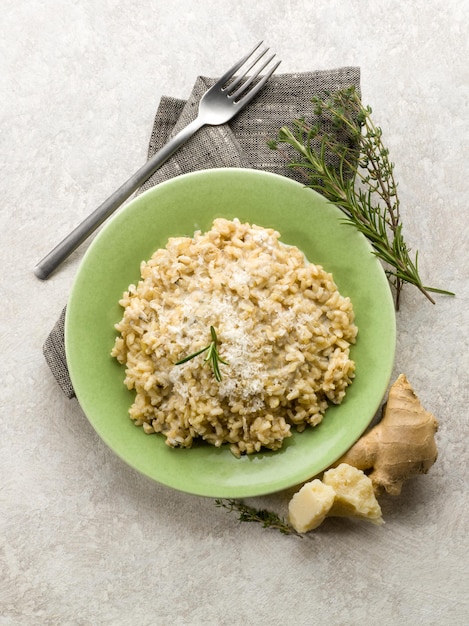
354	494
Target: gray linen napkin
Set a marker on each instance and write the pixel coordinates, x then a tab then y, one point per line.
241	143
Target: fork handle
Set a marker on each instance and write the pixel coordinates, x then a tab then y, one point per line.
63	250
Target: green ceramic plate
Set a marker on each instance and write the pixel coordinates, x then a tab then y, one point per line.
179	207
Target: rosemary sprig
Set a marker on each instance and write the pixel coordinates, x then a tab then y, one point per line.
344	159
213	358
268	519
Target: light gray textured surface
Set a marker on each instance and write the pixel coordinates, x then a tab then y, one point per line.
84	539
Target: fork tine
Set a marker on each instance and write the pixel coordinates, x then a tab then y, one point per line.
227	75
255	90
236	82
251	79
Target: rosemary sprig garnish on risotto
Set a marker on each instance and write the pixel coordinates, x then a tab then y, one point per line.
213	357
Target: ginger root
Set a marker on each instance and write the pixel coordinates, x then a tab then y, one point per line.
401	446
344	491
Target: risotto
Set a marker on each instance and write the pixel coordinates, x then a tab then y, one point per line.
283	329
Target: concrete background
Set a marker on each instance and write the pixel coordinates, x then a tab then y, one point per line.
84	539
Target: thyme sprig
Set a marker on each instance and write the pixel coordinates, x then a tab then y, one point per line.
344	159
213	357
268	519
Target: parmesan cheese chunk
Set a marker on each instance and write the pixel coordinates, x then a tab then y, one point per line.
309	507
344	491
354	494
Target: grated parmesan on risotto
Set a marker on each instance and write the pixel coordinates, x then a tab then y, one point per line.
283	329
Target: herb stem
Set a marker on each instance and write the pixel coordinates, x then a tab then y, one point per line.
268	519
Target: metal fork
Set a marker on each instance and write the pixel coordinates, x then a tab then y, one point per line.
218	105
